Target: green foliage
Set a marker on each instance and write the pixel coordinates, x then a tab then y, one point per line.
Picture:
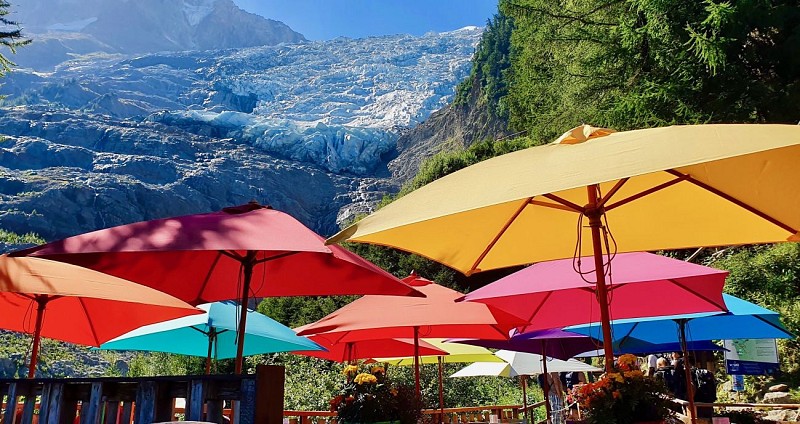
14	238
156	363
296	311
642	63
489	64
310	382
10	36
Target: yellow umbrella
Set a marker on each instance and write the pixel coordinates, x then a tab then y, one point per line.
661	188
456	353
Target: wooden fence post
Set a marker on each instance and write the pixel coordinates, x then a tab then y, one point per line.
270	381
145	403
196	400
90	411
11	404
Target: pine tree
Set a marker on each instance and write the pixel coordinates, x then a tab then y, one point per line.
10	36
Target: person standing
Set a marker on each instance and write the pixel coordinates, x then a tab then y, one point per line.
651	364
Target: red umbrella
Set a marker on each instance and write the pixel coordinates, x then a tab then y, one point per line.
436	315
364	349
552	295
237	253
74	304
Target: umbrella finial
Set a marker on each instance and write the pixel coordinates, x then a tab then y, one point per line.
582	133
248	207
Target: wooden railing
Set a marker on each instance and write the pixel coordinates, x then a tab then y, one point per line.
256	398
471	414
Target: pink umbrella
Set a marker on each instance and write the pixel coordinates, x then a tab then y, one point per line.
238	253
552	295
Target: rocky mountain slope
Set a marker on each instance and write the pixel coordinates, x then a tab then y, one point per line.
309	128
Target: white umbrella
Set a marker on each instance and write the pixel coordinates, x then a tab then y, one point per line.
531	363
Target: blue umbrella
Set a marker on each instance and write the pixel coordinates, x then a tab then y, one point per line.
213	332
744	320
640	347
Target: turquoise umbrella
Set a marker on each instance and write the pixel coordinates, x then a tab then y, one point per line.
213	334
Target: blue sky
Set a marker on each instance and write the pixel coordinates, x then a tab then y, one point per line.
327	19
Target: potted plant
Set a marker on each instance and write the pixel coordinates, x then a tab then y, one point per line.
368	397
624	396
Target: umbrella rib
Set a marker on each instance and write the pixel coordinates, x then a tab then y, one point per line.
697	294
572	206
628	334
735	201
766	321
210	271
280	256
89	320
541	305
649	191
612	192
497	237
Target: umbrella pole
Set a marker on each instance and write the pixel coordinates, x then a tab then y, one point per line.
441	390
211	338
687	371
524	383
594	212
37	334
416	363
546	388
248	262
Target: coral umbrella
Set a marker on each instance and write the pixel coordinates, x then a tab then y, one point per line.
660	188
212	334
238	253
436	315
74	304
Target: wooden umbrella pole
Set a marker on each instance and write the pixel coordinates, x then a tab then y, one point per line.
524	383
546	387
595	212
687	371
37	334
212	335
441	389
248	263
416	363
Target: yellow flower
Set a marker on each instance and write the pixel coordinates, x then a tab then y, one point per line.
365	378
627	362
616	377
633	374
350	370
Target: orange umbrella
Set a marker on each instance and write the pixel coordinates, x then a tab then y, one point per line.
436	315
82	306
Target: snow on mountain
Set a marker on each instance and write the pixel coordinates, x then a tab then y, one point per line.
338	104
197	10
